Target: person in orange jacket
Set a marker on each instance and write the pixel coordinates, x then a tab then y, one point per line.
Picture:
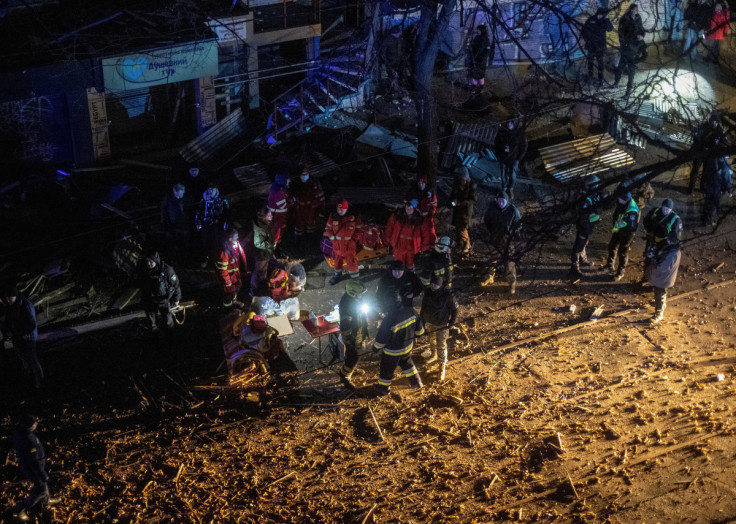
719	27
427	207
404	233
229	266
340	230
309	203
279	202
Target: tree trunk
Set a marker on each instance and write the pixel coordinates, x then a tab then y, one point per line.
431	27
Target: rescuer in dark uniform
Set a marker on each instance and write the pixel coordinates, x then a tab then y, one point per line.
625	224
397	281
438	313
32	463
175	222
161	292
503	221
588	215
353	328
439	263
395	338
211	220
662	257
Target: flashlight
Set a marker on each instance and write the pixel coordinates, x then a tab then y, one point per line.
365	308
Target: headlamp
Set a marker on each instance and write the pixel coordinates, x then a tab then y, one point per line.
365	307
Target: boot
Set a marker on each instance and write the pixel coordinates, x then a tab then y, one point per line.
488	281
415	382
337	277
512	288
575	271
347	381
608	266
618	275
658	315
585	262
429	355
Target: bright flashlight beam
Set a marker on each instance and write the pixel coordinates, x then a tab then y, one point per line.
365	308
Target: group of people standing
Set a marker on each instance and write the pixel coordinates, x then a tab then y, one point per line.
709	22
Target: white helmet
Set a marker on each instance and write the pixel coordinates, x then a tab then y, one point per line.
443	244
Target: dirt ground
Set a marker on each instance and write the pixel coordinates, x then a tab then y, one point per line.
544	416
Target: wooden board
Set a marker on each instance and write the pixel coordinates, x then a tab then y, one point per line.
573	160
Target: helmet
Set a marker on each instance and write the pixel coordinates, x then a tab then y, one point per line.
443	244
591	181
281	179
354	287
211	193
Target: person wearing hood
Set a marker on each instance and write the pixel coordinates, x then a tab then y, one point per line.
633	49
309	203
353	328
462	200
427	207
161	291
594	33
404	233
32	463
439	263
278	204
21	328
231	267
260	250
625	224
211	220
481	49
662	257
503	222
340	230
438	313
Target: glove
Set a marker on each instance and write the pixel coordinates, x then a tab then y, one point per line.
376	350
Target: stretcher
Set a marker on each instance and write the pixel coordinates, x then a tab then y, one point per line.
370	245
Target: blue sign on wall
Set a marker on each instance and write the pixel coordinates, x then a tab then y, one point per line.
160	66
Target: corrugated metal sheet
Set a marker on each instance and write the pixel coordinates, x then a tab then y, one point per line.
255	177
215	138
467	139
597	155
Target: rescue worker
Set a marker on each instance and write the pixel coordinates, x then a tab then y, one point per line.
196	183
427	208
397	281
230	268
278	204
32	463
510	147
663	253
404	233
438	314
309	204
21	328
161	291
395	338
340	229
625	224
594	33
439	263
588	215
503	222
260	250
353	328
175	221
211	220
462	200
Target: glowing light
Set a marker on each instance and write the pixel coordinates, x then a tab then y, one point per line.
683	86
365	308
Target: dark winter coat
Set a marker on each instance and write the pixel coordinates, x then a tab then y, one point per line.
503	224
594	33
160	285
510	145
662	230
697	16
30	453
464	197
480	51
352	319
390	287
630	28
438	307
437	265
588	213
173	214
20	321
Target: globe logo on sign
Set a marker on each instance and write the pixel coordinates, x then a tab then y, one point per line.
133	69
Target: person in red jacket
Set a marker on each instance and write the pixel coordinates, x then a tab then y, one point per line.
309	203
719	28
278	203
229	266
340	230
404	233
427	208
